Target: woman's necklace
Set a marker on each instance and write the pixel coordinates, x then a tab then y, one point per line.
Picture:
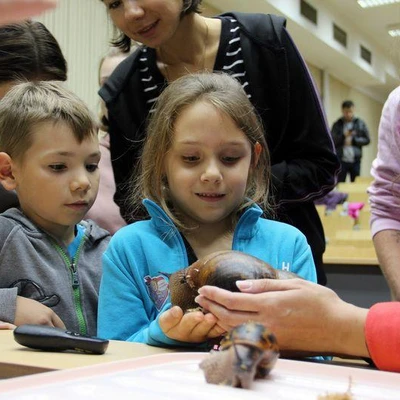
203	64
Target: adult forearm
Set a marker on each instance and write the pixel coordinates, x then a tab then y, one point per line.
304	316
387	247
349	331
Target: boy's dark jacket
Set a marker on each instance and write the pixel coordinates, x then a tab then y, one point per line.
303	160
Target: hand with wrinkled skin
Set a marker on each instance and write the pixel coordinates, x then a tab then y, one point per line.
191	327
304	316
18	10
30	311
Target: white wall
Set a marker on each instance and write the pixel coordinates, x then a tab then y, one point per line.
83	30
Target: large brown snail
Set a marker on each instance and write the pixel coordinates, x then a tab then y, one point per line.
222	269
249	351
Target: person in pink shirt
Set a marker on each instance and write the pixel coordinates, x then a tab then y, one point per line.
18	10
310	318
384	194
105	211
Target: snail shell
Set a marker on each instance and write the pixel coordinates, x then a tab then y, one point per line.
249	351
222	269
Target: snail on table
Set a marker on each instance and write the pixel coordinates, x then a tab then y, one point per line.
249	351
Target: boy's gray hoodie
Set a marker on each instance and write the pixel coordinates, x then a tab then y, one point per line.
34	265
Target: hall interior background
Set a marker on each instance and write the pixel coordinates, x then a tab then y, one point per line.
84	30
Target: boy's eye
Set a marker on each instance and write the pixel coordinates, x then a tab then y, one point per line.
57	167
92	167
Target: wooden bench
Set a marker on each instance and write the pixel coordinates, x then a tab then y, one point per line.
350	255
364	179
357	192
347	244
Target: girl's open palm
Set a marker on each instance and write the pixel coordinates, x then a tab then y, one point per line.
192	327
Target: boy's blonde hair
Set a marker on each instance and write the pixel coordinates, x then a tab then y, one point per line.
226	95
28	104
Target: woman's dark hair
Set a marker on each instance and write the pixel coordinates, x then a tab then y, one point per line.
123	42
29	51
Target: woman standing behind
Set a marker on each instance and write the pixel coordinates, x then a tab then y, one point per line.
27	51
258	51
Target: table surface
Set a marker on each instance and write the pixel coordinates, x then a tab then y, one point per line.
350	255
17	360
178	376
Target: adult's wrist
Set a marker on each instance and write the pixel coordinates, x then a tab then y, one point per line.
350	331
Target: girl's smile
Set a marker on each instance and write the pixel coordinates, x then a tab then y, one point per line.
207	165
210	197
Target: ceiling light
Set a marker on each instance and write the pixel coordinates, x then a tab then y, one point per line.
376	3
394	30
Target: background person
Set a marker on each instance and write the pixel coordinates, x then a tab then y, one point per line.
259	52
384	194
18	10
350	134
105	211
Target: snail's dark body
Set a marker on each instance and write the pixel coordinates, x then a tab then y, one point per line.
221	269
249	351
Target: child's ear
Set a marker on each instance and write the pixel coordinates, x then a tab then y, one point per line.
6	176
257	153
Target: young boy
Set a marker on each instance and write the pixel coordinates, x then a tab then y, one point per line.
50	262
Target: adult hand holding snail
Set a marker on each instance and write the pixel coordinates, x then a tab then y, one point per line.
304	316
221	269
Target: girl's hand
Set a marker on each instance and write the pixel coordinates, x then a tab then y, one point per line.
192	327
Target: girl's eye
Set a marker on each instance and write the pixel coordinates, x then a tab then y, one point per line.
230	160
92	167
190	159
58	167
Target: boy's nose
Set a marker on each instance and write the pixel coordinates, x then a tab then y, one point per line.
81	182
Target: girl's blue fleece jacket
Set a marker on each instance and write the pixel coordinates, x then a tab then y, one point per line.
134	286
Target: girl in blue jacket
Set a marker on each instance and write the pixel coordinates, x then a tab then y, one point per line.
204	167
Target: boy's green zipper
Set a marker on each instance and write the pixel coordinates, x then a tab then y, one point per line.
72	266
